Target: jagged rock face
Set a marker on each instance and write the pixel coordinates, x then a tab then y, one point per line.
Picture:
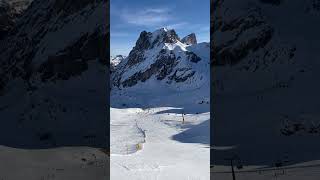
73	60
19	5
147	41
189	39
7	18
52	61
161	55
10	11
28	48
230	51
163	66
240	37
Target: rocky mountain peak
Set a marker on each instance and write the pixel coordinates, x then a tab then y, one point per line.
162	55
143	41
149	40
189	39
164	35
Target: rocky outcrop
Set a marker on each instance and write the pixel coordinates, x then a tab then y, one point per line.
236	39
7	18
27	53
189	39
10	11
161	68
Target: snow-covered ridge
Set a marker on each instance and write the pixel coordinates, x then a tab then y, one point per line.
163	56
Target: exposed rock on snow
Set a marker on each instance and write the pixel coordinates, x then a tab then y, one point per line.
189	39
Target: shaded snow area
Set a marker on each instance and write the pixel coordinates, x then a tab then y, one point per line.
149	139
266	100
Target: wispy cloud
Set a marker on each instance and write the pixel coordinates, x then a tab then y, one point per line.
177	25
157	10
119	34
147	17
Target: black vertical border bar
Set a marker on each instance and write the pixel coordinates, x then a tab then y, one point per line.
211	83
108	87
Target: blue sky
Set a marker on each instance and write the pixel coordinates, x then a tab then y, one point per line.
130	17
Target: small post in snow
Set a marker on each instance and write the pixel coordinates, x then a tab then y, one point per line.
182	118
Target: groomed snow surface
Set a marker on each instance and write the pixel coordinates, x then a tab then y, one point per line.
149	141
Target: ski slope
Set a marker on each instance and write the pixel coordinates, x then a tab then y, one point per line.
149	140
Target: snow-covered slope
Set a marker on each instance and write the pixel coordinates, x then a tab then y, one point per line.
160	110
265	69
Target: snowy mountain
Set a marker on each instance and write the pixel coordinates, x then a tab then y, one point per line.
162	56
117	59
265	66
53	75
114	61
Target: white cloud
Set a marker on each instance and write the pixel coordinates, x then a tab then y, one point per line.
157	10
146	17
177	25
